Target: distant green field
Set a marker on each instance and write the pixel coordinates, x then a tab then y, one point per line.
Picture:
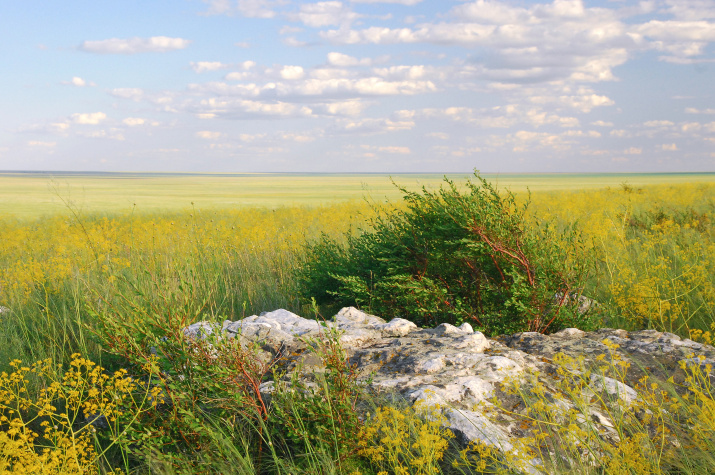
31	195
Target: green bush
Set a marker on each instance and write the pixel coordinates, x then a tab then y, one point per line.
452	255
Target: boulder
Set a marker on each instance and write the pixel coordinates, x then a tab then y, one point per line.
468	376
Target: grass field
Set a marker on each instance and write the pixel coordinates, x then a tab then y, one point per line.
81	258
31	195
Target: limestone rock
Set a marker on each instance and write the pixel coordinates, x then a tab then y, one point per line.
461	371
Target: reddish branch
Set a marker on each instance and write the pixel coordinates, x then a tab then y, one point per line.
517	255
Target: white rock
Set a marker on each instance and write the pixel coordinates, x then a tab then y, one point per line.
201	330
431	366
570	333
475	426
397	327
349	316
614	388
475	342
286	321
359	337
446	329
497	368
466	328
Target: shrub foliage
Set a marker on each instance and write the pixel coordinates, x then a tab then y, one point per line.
455	255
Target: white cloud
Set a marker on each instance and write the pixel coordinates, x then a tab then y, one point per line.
158	44
365	86
403	2
112	134
343	60
203	66
246	67
292	72
583	100
403	72
256	8
206	134
316	15
251	137
540	43
246	8
236	108
526	140
395	149
218	7
78	82
683	39
373	126
669	147
134	121
580	133
690	127
294	42
633	151
289	30
319	89
237	76
491	12
693	110
680	60
678	30
301	138
497	117
133	93
601	123
658	123
343	108
438	135
691	9
332	73
92	118
60	126
39	143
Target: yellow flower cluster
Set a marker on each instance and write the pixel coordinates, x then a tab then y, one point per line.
656	250
411	441
51	431
46	253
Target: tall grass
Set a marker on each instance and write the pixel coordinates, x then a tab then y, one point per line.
656	250
656	269
229	264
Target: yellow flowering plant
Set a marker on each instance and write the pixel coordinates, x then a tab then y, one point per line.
68	425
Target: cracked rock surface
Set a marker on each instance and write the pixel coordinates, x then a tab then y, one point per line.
463	372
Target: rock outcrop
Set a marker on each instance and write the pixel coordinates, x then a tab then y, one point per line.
467	375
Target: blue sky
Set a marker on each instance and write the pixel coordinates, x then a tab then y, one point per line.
358	86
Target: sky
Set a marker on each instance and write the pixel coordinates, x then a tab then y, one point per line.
384	86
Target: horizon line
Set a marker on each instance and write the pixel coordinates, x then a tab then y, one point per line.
90	172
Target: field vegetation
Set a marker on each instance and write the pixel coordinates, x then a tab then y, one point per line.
35	195
94	363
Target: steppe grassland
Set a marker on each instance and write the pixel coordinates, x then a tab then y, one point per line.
654	244
30	196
